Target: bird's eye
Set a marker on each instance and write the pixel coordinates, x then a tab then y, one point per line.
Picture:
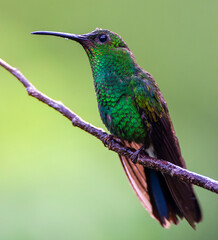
103	38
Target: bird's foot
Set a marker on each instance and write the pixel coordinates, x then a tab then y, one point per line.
109	139
135	155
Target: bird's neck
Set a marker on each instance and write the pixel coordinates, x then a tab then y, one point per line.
112	68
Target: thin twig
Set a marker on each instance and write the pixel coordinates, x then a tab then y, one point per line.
112	144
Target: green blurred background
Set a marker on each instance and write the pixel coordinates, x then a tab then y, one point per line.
57	182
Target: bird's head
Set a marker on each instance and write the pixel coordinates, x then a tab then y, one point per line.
99	40
106	50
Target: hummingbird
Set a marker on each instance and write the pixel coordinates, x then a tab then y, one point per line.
133	110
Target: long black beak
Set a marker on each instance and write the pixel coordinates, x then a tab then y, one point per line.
77	38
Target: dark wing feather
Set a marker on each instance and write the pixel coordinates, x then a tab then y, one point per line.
166	147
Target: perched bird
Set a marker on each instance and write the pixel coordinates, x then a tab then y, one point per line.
133	109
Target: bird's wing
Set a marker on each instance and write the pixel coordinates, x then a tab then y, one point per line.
154	112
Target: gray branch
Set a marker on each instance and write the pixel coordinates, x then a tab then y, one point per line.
113	143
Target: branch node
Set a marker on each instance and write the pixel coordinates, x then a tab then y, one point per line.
75	121
31	90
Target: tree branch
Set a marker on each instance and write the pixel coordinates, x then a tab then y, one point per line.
111	142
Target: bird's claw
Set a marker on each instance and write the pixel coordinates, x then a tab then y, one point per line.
135	155
107	141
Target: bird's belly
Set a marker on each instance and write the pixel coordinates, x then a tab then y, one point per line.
124	121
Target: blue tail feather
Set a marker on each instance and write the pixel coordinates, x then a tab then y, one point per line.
158	195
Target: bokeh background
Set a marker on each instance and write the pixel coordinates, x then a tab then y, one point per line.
57	182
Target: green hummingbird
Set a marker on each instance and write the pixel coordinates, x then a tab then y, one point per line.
134	110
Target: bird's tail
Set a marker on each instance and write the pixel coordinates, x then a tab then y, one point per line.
152	191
